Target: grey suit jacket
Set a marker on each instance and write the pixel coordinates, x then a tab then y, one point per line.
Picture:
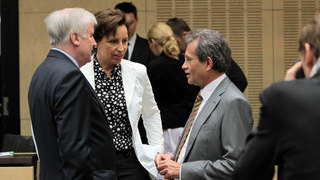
218	135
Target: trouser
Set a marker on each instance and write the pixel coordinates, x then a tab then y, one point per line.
128	166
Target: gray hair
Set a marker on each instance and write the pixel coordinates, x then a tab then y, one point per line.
61	23
211	44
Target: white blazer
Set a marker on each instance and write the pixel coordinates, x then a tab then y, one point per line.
140	101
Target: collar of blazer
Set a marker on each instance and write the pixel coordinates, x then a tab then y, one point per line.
207	109
129	75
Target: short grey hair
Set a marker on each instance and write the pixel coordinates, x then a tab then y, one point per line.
211	44
61	23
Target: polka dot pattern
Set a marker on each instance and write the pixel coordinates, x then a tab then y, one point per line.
111	95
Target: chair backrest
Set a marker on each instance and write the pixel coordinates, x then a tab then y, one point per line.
17	143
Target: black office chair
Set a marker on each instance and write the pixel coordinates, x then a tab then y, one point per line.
22	144
18	143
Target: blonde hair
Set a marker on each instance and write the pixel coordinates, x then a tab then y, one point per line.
163	35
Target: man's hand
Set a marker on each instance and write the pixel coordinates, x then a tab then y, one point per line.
169	168
291	73
161	157
166	166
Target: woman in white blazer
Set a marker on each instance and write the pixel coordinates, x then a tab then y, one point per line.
125	91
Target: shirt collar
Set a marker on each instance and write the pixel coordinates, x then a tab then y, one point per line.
68	55
133	39
315	68
209	88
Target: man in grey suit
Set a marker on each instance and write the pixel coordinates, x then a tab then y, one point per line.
216	130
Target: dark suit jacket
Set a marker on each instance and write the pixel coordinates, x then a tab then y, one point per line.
141	52
288	134
69	124
173	94
237	76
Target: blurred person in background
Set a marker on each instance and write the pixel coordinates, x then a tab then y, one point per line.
288	132
180	29
173	94
138	48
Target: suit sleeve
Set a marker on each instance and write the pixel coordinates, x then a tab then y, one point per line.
257	160
236	125
72	118
237	76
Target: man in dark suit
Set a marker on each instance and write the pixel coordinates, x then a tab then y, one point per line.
220	121
69	125
180	29
288	132
138	48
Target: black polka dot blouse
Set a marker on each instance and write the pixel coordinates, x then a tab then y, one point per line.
111	95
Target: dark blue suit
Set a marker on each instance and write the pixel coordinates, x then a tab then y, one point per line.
69	123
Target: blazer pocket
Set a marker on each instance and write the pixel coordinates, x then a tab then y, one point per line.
208	127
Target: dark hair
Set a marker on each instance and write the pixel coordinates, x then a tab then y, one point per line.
178	26
211	44
127	7
311	34
107	22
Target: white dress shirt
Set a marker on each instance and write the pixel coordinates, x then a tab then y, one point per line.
132	41
68	55
315	68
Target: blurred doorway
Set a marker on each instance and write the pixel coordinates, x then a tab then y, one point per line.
9	68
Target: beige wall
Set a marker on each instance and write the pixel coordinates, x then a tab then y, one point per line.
34	41
263	34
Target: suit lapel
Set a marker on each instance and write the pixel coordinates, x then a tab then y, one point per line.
129	79
207	109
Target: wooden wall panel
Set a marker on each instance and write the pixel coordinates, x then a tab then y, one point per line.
34	40
263	34
164	10
182	8
253	62
292	16
239	21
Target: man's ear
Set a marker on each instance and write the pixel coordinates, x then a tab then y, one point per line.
184	33
309	58
74	38
209	63
152	42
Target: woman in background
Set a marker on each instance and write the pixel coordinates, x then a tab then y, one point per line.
125	92
173	94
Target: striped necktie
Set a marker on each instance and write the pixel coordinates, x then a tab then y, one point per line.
189	123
